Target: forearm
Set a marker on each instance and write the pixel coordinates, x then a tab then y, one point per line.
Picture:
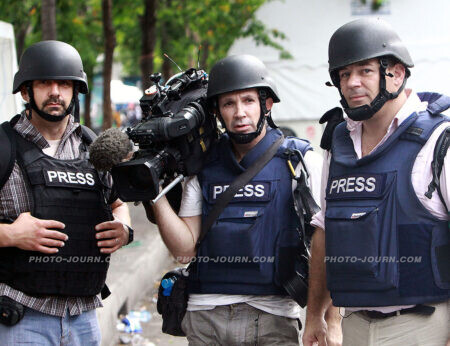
179	235
121	212
318	296
5	239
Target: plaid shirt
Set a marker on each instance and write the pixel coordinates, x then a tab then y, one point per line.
15	199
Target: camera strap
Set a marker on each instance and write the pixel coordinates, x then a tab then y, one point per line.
440	150
237	183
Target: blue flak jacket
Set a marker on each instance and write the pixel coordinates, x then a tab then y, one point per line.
255	237
383	247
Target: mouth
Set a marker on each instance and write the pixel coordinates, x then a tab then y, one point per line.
357	97
241	127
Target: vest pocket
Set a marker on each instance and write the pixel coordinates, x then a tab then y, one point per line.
361	246
233	248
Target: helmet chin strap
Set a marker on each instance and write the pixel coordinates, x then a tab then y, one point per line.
365	112
244	138
47	116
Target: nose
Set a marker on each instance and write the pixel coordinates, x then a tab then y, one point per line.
54	88
240	109
353	80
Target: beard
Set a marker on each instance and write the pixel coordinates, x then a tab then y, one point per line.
55	100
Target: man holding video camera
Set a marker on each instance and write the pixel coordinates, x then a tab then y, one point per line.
59	220
236	293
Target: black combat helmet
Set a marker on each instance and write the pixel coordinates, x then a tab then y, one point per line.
51	60
239	72
364	39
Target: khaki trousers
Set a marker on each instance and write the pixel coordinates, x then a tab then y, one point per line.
403	330
239	324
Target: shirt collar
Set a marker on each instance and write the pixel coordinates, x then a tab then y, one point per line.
27	130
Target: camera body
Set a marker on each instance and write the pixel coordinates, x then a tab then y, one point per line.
174	136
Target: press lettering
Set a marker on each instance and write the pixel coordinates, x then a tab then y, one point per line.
90	179
359	184
353	184
51	175
341	185
334	185
370	184
259	190
248	191
72	178
62	176
217	191
350	184
80	178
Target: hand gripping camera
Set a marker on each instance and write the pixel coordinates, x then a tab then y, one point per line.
174	137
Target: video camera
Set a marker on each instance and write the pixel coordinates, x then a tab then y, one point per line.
173	137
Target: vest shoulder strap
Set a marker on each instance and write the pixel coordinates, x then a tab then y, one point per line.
440	151
87	135
8	152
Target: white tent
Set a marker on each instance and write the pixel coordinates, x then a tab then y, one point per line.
9	104
122	93
423	26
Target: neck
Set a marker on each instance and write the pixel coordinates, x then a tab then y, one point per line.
240	150
49	130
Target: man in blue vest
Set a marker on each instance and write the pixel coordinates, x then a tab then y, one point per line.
60	220
381	245
236	296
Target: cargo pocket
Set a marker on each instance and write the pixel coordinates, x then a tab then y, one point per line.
232	244
361	245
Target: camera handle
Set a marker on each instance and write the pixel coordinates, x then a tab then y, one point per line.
168	188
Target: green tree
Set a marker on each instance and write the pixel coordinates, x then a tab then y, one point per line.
110	43
48	19
187	31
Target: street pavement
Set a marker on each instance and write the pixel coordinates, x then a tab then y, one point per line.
132	276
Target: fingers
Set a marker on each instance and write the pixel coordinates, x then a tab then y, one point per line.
52	224
55	235
111	241
112	236
108	225
109	250
46	250
322	340
108	243
51	243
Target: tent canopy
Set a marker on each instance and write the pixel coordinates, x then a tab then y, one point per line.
308	25
9	104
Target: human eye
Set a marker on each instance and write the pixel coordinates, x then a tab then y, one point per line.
344	74
64	83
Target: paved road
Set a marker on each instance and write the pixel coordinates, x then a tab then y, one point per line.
151	331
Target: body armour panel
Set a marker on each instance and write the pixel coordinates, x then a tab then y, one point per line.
382	244
255	238
69	191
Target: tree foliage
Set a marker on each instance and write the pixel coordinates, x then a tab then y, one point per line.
187	31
